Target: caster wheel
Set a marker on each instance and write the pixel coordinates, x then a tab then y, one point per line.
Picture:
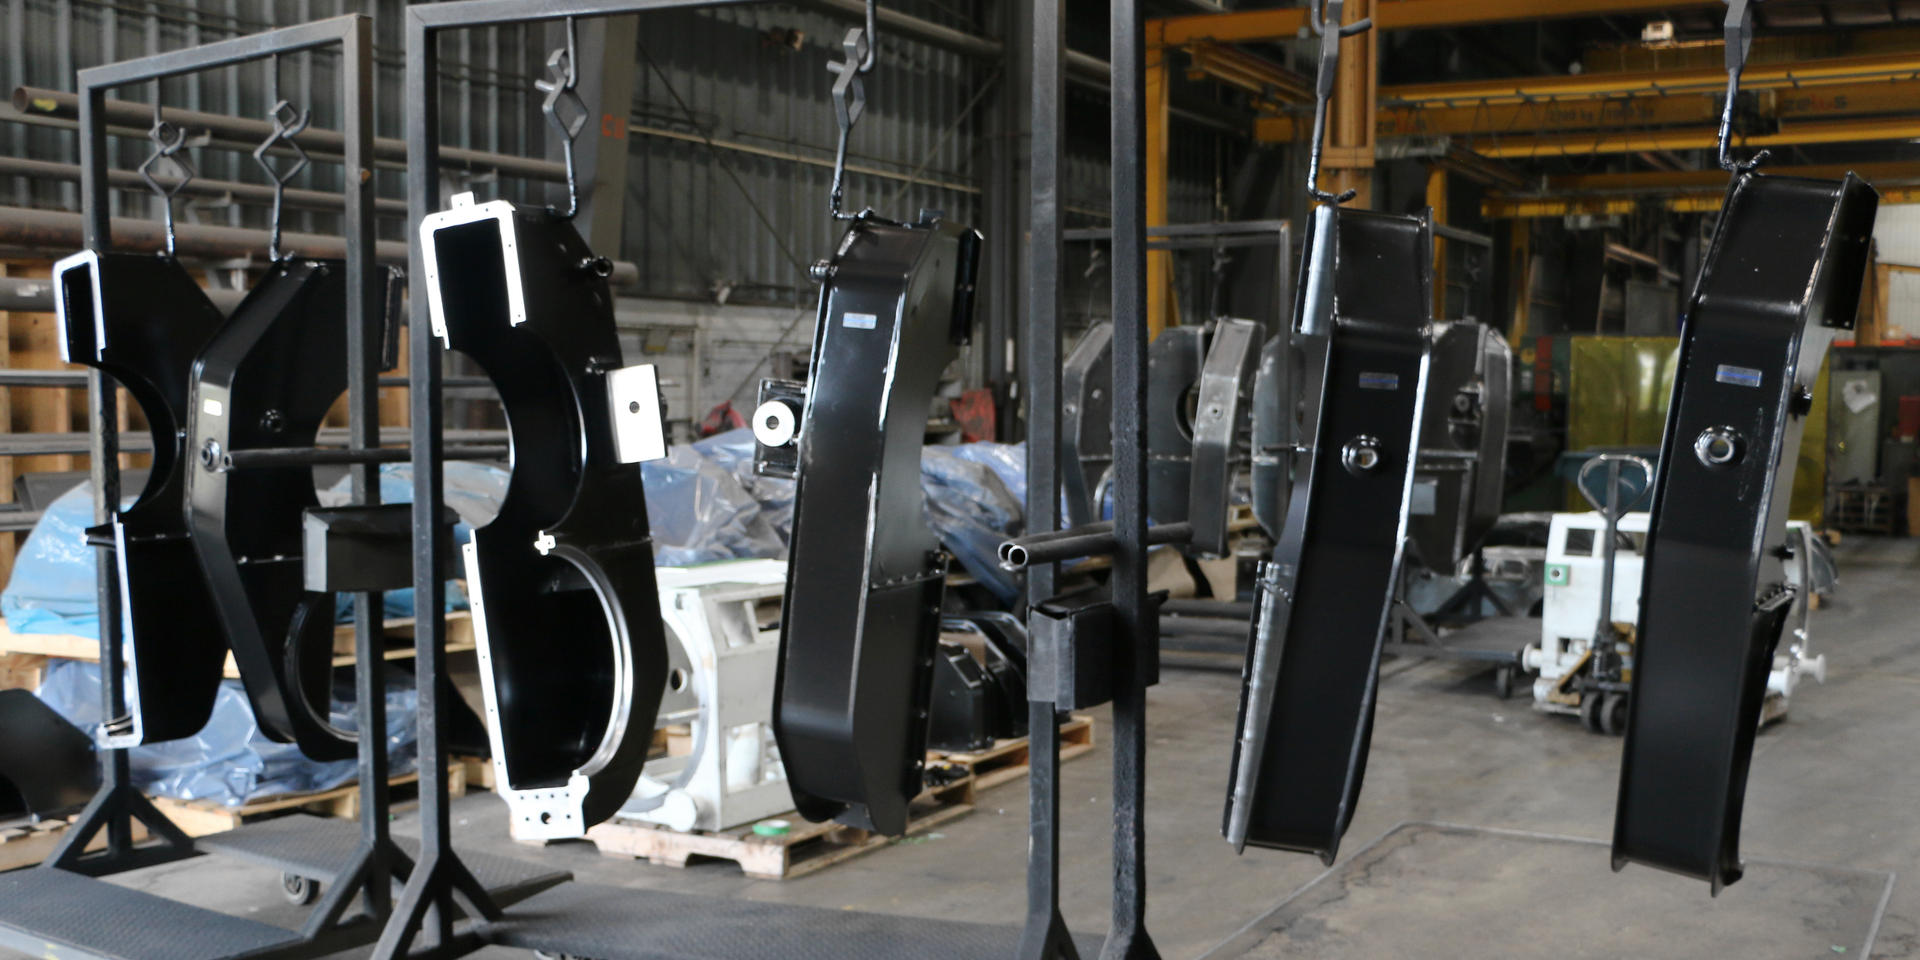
299	890
1590	711
1503	683
1613	715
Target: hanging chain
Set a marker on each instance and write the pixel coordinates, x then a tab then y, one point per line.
849	102
1330	31
562	90
286	126
169	142
1739	32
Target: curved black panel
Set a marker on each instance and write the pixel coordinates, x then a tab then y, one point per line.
866	575
266	380
1782	275
141	319
1306	712
565	604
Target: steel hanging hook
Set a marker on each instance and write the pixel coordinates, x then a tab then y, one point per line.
286	126
1739	34
169	142
849	102
1323	88
561	87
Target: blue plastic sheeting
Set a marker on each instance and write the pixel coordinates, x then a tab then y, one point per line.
733	451
972	510
229	762
700	512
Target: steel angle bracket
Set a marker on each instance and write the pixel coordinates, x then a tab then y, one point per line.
573	655
1782	276
1306	710
1086	424
866	576
141	319
266	380
1219	421
1174	361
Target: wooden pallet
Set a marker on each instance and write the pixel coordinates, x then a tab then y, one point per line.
815	846
201	817
806	848
27	844
459	637
1006	760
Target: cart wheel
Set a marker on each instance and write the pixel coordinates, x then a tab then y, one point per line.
1613	714
1503	683
299	890
1590	711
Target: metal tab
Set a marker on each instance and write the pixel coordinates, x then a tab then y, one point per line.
639	435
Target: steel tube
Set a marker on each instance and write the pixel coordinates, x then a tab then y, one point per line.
198	187
1073	546
44	230
265	457
59	105
1037	538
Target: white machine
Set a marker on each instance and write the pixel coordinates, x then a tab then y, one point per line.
723	619
1572	600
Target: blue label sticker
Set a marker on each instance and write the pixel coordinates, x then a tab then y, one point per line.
860	321
1379	381
1738	376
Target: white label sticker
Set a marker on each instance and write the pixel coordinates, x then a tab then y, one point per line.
212	407
1738	376
860	321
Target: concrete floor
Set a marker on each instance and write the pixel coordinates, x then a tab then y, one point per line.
1834	786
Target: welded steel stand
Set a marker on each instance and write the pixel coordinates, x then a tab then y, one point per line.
1045	936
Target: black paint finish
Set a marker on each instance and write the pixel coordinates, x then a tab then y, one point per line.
141	319
1313	668
266	380
1783	274
866	575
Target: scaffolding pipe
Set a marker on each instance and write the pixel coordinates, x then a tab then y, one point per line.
198	187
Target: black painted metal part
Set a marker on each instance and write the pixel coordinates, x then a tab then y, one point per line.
46	763
1781	277
866	575
266	380
566	610
141	319
1306	711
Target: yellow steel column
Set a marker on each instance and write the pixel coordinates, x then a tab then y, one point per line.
1349	149
1437	202
1520	279
1159	262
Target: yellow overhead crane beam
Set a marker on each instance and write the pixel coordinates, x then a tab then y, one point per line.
1857	99
1798	75
1608	194
1635	141
1253	26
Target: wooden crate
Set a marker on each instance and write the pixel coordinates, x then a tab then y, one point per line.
1006	760
202	817
806	848
21	671
27	844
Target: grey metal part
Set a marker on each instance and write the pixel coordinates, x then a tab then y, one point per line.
1174	360
1853	447
60	915
1274	413
1463	442
620	923
1086	418
1219	419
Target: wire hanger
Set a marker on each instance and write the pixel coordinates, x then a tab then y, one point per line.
286	126
1739	27
849	102
562	90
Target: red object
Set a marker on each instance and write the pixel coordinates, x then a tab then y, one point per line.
1543	374
721	419
1908	426
974	412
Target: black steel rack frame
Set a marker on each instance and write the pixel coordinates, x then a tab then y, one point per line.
603	922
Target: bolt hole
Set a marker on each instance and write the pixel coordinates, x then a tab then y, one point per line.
633	406
677	680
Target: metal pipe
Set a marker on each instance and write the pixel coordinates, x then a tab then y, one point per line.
35	295
1019	556
1079	66
40	101
197	187
1036	538
268	457
44	230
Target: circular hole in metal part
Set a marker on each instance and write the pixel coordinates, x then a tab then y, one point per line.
1366	458
546	817
677	680
1017	556
773	422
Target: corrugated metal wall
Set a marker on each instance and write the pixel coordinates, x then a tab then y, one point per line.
732	131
